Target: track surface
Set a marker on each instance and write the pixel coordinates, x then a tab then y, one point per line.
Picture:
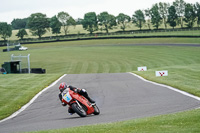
120	96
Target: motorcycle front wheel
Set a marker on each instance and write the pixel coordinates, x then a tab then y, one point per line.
79	110
96	110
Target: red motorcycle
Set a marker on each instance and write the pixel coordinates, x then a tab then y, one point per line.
80	104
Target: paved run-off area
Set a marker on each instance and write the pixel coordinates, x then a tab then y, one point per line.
120	96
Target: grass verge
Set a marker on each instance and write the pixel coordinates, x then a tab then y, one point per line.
17	89
183	77
184	122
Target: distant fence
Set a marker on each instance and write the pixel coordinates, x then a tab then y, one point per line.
112	35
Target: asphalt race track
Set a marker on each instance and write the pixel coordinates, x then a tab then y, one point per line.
120	96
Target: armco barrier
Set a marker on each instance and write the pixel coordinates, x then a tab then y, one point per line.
116	37
113	35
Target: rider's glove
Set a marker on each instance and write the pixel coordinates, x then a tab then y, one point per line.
76	90
64	104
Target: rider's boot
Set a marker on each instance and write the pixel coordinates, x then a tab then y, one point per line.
85	94
71	111
90	99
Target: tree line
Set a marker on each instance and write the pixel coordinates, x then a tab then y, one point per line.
179	13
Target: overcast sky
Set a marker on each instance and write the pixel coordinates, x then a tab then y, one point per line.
10	9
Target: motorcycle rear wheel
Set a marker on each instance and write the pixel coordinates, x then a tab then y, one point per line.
79	110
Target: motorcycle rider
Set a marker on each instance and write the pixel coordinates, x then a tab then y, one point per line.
63	90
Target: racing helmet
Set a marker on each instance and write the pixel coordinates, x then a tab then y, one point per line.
62	86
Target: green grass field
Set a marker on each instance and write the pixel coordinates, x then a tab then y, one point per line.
104	56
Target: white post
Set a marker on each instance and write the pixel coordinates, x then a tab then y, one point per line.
29	70
11	57
8	47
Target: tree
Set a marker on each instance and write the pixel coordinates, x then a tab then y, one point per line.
21	33
107	21
148	15
5	30
155	16
38	24
138	18
123	20
55	25
66	21
172	16
71	22
19	23
190	15
180	9
197	9
163	9
90	22
79	21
